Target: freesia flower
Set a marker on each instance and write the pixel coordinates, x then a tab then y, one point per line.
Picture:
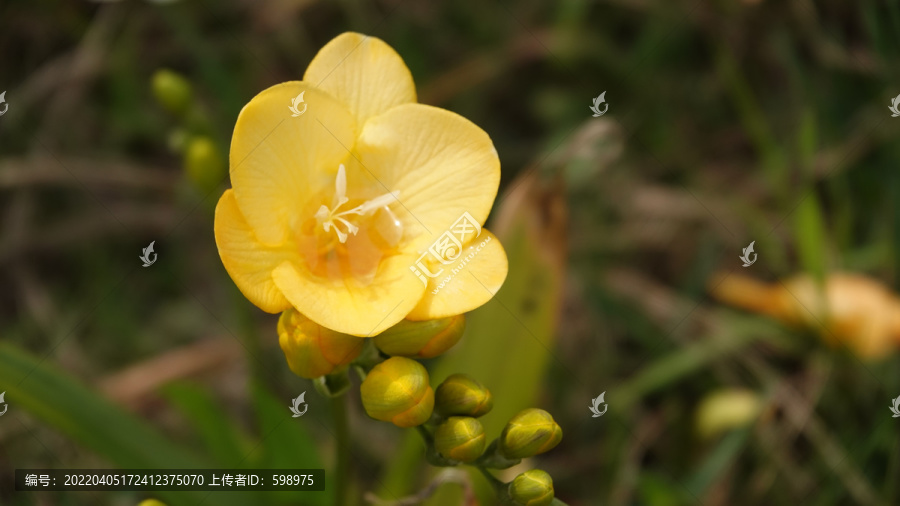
848	309
333	211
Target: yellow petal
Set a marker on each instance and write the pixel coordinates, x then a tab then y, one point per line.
249	262
441	164
364	73
467	283
278	162
348	305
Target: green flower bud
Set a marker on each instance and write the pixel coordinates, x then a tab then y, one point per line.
460	394
171	90
205	166
532	488
724	410
312	350
397	391
151	502
460	438
423	339
531	432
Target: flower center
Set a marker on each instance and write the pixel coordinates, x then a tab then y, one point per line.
331	219
351	237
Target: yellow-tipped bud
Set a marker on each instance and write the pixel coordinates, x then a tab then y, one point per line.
725	410
424	339
397	391
312	350
151	502
532	488
531	432
171	90
204	165
460	438
460	394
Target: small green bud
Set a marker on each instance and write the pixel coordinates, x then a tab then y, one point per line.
421	339
460	438
151	502
397	391
531	432
532	488
312	350
724	410
460	394
171	90
205	166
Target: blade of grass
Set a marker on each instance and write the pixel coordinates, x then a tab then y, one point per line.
72	408
223	440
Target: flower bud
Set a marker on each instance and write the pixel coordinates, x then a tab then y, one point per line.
151	502
171	90
203	163
312	350
397	391
532	488
460	438
460	394
531	432
725	410
422	339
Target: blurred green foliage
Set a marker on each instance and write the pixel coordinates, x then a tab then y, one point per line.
729	121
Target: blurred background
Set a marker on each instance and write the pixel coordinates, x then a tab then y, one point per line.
729	122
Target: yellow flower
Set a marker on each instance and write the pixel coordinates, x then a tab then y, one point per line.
311	350
853	310
346	210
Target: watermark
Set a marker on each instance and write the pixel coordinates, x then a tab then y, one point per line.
893	107
295	102
295	407
3	401
4	103
595	406
162	480
448	250
601	98
895	409
145	257
745	257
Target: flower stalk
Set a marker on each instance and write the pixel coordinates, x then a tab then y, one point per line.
342	435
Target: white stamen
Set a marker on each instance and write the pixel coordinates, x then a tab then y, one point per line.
327	217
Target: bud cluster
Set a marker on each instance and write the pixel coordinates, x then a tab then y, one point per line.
396	389
202	157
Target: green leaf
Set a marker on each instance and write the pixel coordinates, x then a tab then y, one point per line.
718	462
222	439
809	235
81	414
658	490
287	444
736	333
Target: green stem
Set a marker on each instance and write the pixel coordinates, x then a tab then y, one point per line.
342	464
499	487
429	439
490	478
